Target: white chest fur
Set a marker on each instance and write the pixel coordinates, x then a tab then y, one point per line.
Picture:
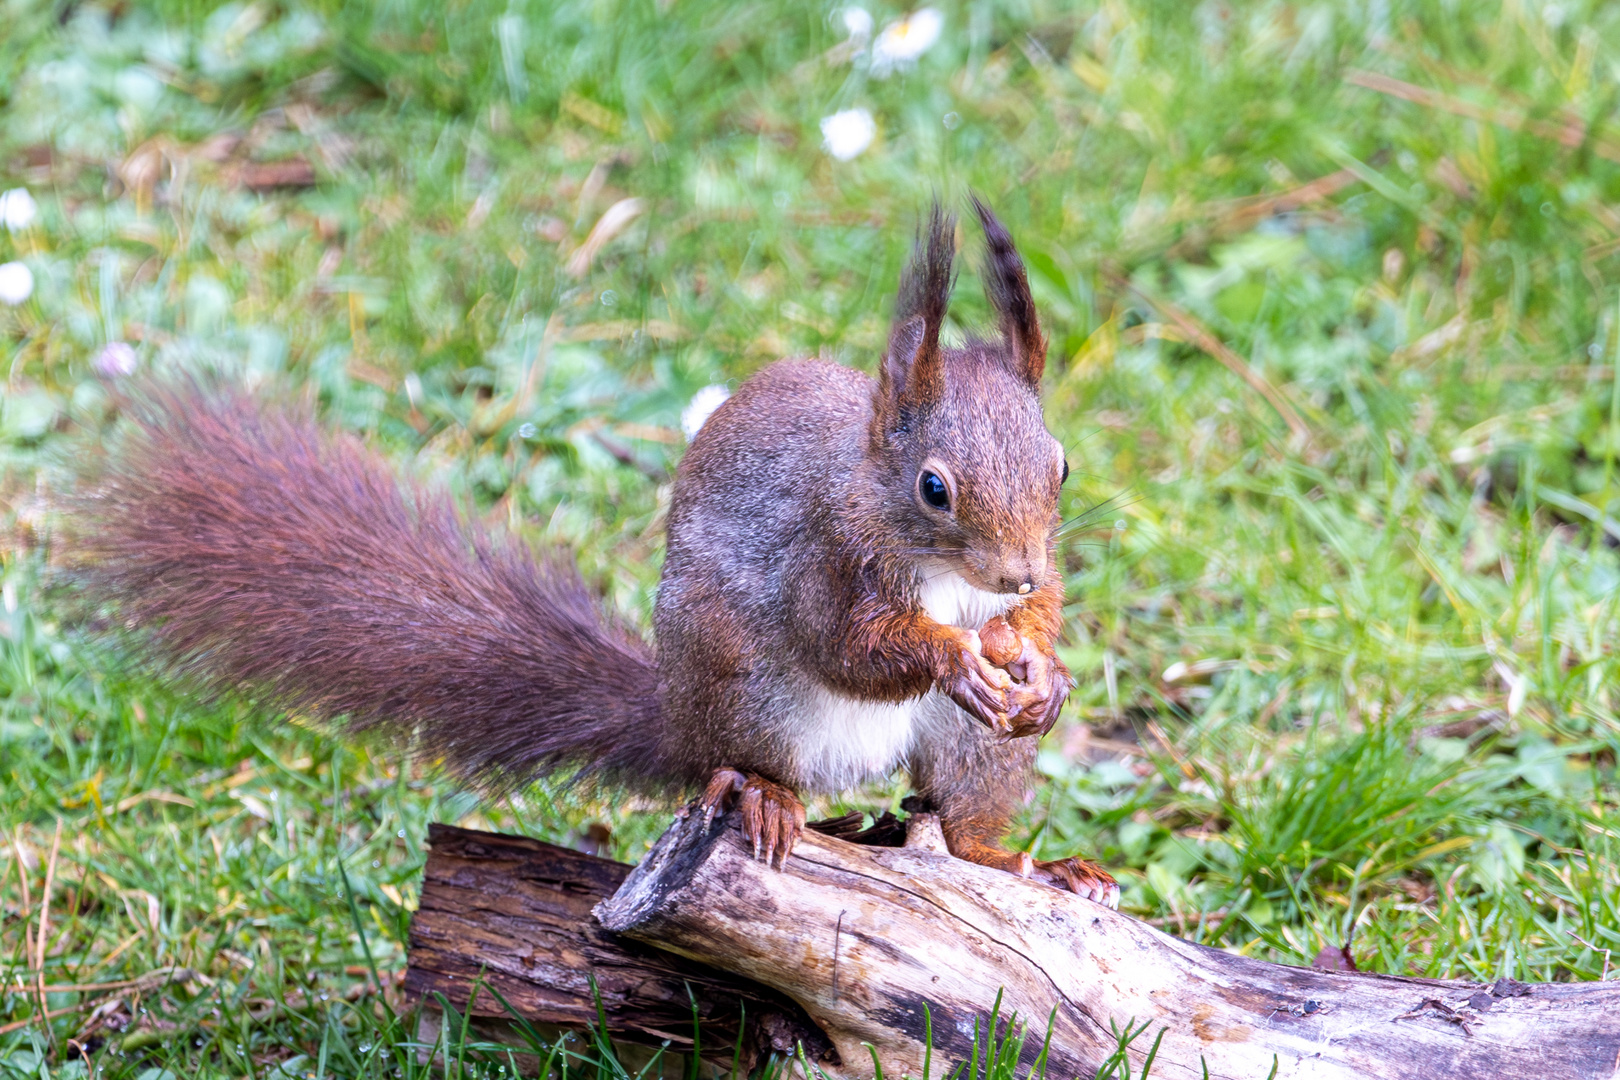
948	598
840	742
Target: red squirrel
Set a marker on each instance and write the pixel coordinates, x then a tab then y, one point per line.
833	543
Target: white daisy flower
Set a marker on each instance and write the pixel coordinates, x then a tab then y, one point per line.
115	360
16	283
857	23
903	41
701	407
18	209
845	134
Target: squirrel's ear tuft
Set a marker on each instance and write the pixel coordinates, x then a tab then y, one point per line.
912	367
1007	286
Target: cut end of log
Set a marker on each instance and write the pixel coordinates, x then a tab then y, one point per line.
683	848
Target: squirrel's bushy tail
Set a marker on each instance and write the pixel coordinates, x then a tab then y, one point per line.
253	554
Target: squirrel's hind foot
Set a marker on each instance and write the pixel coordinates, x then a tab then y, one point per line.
772	815
1080	877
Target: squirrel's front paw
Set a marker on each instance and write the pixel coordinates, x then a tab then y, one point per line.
1035	701
772	815
1081	878
975	684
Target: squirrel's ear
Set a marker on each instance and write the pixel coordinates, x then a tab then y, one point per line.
1007	286
912	368
900	362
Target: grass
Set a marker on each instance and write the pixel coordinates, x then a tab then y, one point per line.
1335	316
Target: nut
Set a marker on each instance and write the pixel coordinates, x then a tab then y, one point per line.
999	642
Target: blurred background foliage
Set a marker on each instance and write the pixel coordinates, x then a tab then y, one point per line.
1334	305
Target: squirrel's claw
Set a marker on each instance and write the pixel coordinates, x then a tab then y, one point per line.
1037	701
772	815
979	687
772	819
720	794
1080	877
1076	875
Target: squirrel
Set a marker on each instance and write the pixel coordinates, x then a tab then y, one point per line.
833	543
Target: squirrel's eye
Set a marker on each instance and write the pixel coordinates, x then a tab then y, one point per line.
1065	479
934	491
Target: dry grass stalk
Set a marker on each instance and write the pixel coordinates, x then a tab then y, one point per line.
1570	133
609	225
1199	335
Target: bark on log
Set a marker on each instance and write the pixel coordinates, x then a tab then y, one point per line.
864	938
516	914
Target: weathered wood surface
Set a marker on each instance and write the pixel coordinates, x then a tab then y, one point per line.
516	913
863	938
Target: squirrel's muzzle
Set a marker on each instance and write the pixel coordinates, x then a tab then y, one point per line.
1015	571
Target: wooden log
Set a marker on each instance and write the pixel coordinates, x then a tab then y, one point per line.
866	938
515	914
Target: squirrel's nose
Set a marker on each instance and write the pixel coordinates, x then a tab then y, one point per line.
1015	571
1018	581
